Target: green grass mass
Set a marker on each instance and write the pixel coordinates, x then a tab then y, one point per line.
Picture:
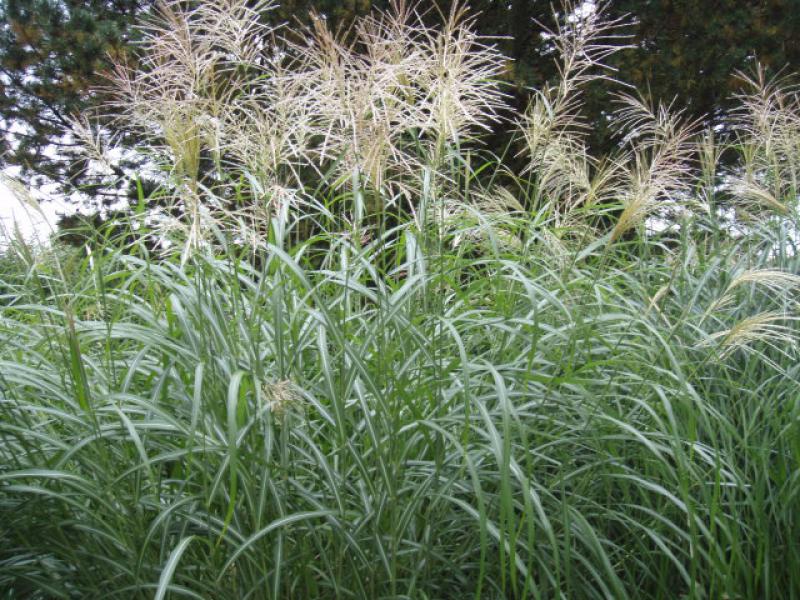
416	372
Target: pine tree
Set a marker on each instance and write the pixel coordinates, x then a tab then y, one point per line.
53	56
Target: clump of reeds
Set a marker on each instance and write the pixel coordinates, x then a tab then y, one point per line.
513	388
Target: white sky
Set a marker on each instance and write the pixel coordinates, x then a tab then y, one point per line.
34	226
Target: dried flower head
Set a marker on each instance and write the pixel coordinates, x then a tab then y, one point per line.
281	396
768	128
658	169
769	328
552	127
396	85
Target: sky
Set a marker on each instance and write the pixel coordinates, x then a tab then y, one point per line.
34	226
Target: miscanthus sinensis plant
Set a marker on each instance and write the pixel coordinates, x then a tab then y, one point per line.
359	357
225	97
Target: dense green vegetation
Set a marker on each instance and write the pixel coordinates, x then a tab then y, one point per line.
397	369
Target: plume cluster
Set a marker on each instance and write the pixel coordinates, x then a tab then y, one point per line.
377	107
552	128
658	168
376	101
768	137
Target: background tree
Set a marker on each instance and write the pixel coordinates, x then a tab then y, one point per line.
690	50
53	56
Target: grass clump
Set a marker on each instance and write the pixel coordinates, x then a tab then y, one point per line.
411	373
